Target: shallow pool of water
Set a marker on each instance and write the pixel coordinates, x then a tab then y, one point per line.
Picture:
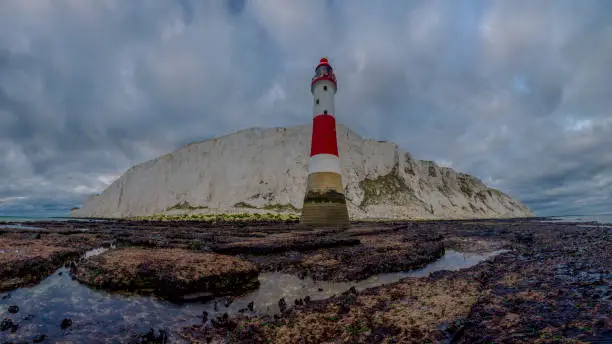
102	317
275	285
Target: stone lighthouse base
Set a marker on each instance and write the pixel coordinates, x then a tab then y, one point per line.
324	204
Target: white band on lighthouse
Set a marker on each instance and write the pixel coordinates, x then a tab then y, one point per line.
324	163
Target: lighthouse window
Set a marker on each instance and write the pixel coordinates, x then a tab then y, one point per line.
323	71
317	101
324	88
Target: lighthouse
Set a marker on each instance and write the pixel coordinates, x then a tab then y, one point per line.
324	202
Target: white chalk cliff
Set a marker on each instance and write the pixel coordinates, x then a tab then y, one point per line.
266	169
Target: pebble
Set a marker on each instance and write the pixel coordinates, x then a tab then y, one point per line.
228	301
282	305
39	339
66	323
8	324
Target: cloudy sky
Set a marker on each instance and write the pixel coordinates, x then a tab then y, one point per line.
517	93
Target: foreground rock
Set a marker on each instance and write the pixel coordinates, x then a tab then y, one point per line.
243	172
554	287
377	249
26	258
406	312
171	273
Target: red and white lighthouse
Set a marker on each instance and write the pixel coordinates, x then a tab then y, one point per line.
324	203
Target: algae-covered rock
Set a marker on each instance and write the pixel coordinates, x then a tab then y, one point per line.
171	273
24	262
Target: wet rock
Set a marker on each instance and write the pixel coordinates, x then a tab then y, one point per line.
171	273
13	309
32	260
39	338
282	305
7	324
453	329
151	337
7	296
343	309
256	246
223	321
391	252
524	238
196	245
66	323
228	301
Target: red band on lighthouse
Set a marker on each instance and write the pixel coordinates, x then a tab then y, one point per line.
324	139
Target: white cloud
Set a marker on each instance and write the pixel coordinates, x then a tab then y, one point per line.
10	199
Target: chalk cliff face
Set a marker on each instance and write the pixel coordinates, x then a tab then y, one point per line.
265	170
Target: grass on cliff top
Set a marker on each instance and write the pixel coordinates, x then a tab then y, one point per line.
238	217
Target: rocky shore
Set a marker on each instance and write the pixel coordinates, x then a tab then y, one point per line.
551	284
553	287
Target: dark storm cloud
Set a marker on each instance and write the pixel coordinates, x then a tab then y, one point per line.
515	92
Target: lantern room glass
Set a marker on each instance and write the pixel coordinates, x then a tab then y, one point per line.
322	71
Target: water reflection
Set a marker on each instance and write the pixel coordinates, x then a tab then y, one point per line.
97	314
275	285
97	251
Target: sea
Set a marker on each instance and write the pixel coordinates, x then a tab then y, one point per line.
601	218
34	218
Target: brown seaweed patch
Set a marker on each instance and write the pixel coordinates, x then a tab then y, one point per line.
27	261
172	273
411	311
283	243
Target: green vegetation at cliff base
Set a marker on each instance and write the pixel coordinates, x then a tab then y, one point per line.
239	217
